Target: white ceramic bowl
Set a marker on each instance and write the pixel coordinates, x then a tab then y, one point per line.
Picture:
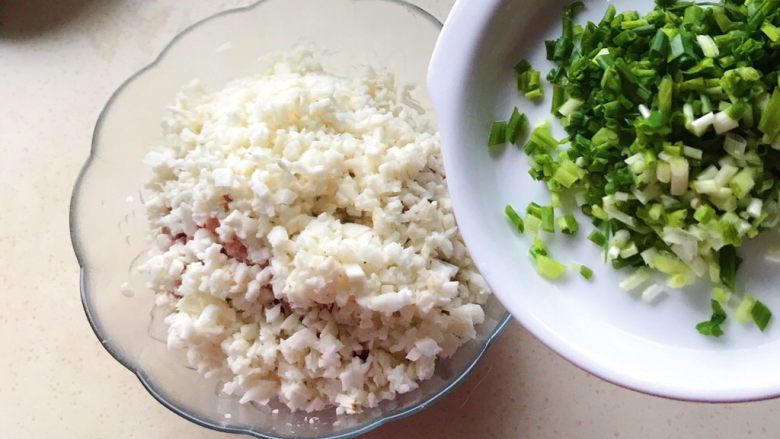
606	331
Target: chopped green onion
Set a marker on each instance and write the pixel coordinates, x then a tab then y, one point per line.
497	134
650	293
528	80
722	295
533	209
708	46
665	95
538	249
636	279
771	31
514	218
548	219
534	94
704	214
568	224
541	138
769	124
517	126
745	307
567	173
569	106
532	225
597	238
712	327
522	66
549	268
742	183
586	272
729	263
761	315
557	98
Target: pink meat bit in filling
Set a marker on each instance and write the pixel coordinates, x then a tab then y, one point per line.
237	250
180	237
233	247
211	224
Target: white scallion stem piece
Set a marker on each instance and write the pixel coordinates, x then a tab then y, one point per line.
569	106
679	172
708	46
621	237
754	208
663	172
700	125
725	174
694	153
724	123
705	186
688	112
708	174
613	252
636	279
734	145
652	292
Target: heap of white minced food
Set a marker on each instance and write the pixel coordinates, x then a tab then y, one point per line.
306	246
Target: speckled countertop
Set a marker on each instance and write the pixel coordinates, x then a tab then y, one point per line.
59	62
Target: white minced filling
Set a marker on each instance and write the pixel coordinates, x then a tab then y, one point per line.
306	246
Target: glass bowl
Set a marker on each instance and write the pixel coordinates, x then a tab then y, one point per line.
108	223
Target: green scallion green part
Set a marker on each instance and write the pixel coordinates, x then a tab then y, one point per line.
517	127
534	209
549	268
497	135
567	173
712	327
522	66
541	140
514	218
761	315
729	262
769	124
568	224
665	88
534	94
548	219
743	313
538	249
586	272
771	31
557	98
532	225
529	81
704	214
722	295
597	238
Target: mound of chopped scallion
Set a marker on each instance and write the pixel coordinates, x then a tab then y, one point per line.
673	122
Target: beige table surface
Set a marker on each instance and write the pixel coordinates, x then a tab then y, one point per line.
59	62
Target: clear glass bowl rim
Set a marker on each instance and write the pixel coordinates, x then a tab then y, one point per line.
147	384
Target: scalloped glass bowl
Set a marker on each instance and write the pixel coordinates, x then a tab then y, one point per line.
108	223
